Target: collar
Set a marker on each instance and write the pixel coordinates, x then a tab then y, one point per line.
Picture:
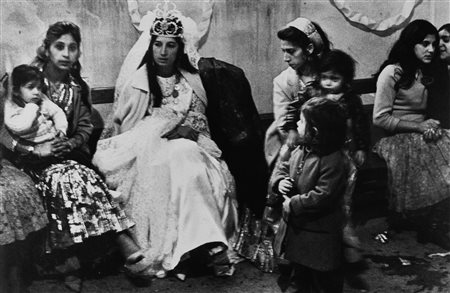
140	81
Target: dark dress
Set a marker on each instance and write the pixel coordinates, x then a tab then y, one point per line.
78	202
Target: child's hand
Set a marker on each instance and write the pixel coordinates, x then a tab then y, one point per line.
43	150
285	186
286	208
292	139
360	158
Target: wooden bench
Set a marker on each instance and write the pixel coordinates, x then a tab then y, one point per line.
371	186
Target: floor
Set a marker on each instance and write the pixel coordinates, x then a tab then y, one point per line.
399	265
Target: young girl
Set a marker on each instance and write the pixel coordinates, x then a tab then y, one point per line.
313	183
29	115
337	70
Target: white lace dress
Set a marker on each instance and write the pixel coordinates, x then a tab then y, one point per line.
179	193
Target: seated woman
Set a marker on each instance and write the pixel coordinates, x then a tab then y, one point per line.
302	43
416	149
78	203
21	213
439	103
170	172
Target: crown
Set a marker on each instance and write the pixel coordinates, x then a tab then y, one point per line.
167	21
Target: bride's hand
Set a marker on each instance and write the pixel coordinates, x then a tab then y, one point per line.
182	131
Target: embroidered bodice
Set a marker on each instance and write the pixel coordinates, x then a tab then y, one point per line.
178	96
62	94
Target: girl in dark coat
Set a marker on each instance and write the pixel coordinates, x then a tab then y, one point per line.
313	184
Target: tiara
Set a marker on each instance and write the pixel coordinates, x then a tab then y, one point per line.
167	21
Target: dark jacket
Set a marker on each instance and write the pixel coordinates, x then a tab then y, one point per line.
438	104
360	126
315	223
236	128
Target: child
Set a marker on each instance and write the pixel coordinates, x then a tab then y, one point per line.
313	183
22	215
337	70
29	115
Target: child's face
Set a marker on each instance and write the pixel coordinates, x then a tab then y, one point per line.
301	126
30	91
332	82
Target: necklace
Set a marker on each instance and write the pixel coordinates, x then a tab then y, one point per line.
61	94
169	86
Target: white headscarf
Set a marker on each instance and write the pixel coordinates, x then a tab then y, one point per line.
310	30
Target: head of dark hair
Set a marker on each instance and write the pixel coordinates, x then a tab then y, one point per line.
294	36
60	28
445	27
326	126
182	61
339	62
403	53
54	32
23	74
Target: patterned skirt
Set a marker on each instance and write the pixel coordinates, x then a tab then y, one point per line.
21	207
418	172
79	204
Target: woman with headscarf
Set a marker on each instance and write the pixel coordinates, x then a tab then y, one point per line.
303	43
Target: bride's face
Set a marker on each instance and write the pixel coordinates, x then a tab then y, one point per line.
165	51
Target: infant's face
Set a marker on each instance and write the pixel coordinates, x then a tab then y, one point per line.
332	82
30	91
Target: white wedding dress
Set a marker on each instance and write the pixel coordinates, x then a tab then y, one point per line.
179	193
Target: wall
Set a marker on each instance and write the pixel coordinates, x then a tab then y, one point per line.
107	34
242	32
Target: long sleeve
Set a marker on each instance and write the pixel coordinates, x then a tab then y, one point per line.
83	128
281	102
384	98
18	119
330	180
6	139
57	115
132	103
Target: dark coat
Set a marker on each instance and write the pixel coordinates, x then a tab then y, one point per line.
316	219
438	104
236	128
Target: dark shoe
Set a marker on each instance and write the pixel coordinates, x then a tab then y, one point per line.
285	279
357	282
73	282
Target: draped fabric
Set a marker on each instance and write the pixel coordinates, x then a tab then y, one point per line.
21	207
179	192
418	172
